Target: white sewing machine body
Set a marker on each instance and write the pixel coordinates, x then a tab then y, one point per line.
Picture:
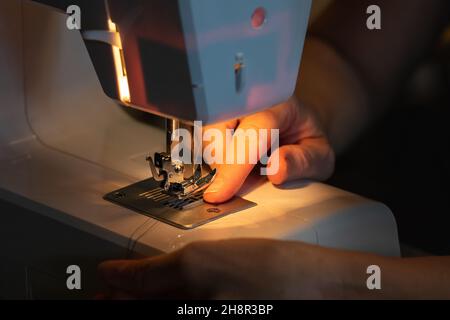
64	144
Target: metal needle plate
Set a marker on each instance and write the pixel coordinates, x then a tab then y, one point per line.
146	197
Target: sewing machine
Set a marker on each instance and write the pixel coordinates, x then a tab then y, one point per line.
71	145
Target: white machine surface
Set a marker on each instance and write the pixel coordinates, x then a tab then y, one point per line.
64	145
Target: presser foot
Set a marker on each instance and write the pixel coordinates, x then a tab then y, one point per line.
171	175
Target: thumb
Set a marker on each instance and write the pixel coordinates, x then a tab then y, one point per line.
312	158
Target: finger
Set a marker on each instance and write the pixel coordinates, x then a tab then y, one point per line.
214	193
310	159
231	176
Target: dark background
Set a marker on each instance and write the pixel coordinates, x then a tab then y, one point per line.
403	160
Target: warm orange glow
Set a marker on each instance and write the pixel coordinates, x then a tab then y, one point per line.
119	62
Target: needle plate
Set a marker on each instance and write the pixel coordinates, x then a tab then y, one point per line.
148	198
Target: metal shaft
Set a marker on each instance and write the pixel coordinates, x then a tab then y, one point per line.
171	127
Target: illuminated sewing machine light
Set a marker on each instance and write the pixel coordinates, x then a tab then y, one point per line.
119	63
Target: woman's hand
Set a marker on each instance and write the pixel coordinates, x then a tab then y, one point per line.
304	152
271	269
233	269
